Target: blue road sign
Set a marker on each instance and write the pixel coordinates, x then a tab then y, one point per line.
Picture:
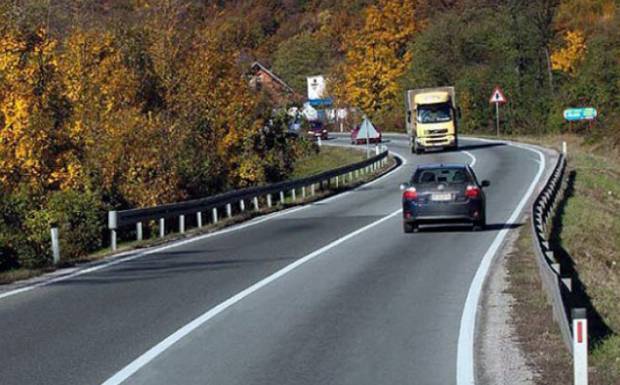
574	114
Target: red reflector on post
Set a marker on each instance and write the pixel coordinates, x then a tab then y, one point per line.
579	332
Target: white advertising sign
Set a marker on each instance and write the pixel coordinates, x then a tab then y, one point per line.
316	87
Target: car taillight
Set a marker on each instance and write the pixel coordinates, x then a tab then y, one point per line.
410	194
472	192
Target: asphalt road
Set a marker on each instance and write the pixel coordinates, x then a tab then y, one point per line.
380	307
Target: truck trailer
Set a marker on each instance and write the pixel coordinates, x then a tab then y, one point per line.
432	119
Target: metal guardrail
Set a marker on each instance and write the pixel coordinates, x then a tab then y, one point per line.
124	218
557	287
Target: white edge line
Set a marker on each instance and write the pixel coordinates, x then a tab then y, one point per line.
158	349
465	372
473	158
174	244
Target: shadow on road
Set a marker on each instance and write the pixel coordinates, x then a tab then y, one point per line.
460	228
468	147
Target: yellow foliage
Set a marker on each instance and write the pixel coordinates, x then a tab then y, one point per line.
566	59
376	57
34	149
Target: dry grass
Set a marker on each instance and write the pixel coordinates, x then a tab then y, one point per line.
589	232
537	332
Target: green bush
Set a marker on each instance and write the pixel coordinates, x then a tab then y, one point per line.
79	217
14	242
25	223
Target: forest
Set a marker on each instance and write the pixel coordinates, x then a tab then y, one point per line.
131	103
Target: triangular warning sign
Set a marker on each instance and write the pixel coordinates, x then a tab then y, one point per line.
498	96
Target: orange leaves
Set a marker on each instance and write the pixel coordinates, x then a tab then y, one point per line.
377	57
33	149
566	58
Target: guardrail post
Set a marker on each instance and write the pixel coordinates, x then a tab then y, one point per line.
242	205
181	224
580	346
162	227
303	192
568	282
564	149
112	225
337	181
214	214
228	210
255	200
281	197
312	189
268	200
139	231
55	245
199	219
293	195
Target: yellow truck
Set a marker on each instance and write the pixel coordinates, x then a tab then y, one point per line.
432	119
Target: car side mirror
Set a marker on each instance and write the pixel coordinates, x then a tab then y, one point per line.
404	186
485	183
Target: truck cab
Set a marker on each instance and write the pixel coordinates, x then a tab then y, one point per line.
432	119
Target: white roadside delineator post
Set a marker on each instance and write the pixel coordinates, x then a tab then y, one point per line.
580	346
181	224
162	227
139	231
255	200
199	219
564	149
112	225
56	245
214	214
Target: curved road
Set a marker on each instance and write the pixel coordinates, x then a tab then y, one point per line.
375	307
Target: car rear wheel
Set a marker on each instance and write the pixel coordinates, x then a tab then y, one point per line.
409	227
480	225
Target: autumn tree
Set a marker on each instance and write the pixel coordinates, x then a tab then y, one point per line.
34	146
377	57
301	56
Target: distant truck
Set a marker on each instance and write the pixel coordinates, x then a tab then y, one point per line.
432	119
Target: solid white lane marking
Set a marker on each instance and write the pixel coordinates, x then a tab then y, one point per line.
465	371
119	259
473	158
161	347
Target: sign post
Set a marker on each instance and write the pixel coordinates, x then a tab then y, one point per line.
498	98
579	114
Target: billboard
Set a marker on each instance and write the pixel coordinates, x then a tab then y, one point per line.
316	87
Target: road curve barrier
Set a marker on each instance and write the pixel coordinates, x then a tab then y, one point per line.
557	285
229	201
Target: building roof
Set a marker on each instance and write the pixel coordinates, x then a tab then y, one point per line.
258	66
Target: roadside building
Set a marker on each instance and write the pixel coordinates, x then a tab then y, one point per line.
263	80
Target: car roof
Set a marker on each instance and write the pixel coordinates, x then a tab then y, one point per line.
441	165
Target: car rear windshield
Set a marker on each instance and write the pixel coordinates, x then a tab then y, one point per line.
442	175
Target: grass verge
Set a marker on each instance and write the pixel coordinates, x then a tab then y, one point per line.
587	235
328	158
538	335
